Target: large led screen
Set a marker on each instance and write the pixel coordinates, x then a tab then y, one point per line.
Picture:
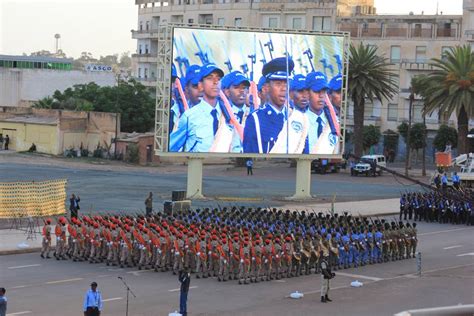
242	92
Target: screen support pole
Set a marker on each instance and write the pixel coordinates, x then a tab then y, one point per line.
303	179
194	186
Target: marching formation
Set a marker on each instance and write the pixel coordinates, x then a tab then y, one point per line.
248	245
449	206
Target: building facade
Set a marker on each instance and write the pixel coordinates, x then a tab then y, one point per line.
26	79
408	41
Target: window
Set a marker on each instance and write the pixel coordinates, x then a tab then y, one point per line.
272	22
420	54
417	112
297	23
191	21
141	26
146	49
140	49
146	73
321	23
238	22
220	21
392	112
395	54
147	25
139	72
444	50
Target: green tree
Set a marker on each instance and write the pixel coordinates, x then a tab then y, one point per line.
390	140
370	78
450	89
445	135
45	103
371	136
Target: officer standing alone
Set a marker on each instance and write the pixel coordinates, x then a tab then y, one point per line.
326	275
185	280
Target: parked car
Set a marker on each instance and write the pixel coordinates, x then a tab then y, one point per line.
366	163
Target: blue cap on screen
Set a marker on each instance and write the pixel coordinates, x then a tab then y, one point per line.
174	73
316	81
193	75
276	69
336	83
298	83
208	69
261	82
235	78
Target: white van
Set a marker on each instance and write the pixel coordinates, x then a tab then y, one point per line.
364	166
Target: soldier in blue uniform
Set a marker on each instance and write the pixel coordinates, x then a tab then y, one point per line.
236	88
198	126
264	125
262	89
191	85
299	93
176	107
317	84
335	87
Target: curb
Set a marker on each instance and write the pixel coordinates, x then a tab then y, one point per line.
19	251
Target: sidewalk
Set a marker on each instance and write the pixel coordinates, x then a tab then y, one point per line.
14	241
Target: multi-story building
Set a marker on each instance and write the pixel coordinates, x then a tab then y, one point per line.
25	79
408	41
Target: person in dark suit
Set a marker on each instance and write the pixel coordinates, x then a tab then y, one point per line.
74	205
185	279
264	125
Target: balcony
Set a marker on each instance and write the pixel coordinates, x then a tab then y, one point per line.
144	34
413	64
147	82
368	120
145	58
421	32
446	33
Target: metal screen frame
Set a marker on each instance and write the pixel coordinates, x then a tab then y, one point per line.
163	85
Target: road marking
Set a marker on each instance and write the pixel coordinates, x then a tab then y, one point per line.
176	290
19	313
358	276
112	299
466	254
115	270
63	281
104	275
442	231
280	281
137	272
18	287
452	247
27	266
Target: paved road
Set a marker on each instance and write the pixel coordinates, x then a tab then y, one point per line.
127	189
40	287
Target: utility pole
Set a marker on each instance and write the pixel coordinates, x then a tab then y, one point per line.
407	158
423	163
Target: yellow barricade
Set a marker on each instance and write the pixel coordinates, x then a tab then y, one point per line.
31	198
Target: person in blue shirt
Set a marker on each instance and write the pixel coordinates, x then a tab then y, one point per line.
456	180
92	301
299	93
317	84
198	125
355	248
262	90
236	88
444	182
264	125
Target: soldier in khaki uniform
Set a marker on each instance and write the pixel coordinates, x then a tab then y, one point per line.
46	242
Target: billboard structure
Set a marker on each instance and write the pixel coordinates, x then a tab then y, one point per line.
250	92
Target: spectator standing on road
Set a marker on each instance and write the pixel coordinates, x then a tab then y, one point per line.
149	204
185	279
456	180
249	164
74	205
444	182
92	301
3	302
1	141
7	142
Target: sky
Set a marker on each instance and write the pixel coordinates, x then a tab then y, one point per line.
102	27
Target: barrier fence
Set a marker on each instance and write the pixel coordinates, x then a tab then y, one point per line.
32	198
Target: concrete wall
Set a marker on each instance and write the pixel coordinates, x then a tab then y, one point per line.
145	143
22	135
20	87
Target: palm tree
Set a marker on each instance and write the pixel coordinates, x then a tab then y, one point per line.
450	89
45	103
369	78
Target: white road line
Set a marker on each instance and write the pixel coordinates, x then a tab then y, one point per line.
466	254
19	313
112	299
452	247
18	287
442	231
63	281
176	290
27	266
139	271
280	281
358	276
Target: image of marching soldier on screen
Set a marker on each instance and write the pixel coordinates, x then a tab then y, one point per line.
219	106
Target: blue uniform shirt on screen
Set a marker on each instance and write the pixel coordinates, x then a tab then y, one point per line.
314	125
195	131
270	121
239	114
